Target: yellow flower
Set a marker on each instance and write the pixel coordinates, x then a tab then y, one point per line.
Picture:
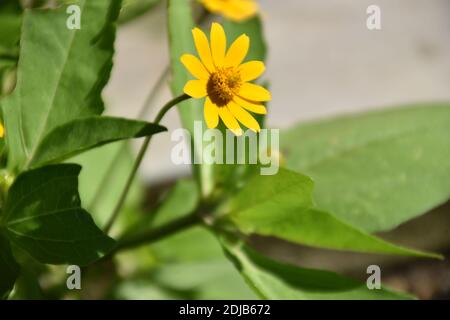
2	131
237	10
224	80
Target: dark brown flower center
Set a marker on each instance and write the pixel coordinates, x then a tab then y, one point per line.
223	85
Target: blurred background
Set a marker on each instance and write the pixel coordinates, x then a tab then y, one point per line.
323	61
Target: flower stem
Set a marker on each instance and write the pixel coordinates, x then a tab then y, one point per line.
149	101
139	159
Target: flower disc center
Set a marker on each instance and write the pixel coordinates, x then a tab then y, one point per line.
223	85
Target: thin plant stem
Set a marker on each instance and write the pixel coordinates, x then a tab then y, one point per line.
149	101
139	159
154	235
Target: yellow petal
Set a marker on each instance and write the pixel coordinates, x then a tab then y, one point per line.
238	51
194	66
212	5
218	44
229	121
244	117
196	88
239	10
251	70
254	92
211	113
254	107
204	52
2	131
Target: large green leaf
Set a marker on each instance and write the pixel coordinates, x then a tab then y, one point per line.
181	42
376	170
281	206
9	269
274	280
43	216
83	134
61	74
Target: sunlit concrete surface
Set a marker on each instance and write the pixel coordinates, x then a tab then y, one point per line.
323	61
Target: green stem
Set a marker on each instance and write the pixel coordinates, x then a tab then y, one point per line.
169	105
157	234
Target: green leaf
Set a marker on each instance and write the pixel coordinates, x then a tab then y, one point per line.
7	77
9	269
83	134
182	200
132	9
281	206
10	23
27	286
379	169
52	88
274	280
191	261
43	216
181	42
213	279
99	188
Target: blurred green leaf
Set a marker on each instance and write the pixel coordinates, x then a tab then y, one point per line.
100	186
181	200
10	24
43	216
9	269
145	287
376	170
213	279
27	285
83	134
193	261
51	88
181	42
281	206
230	175
132	9
254	29
274	280
189	264
5	64
9	34
7	76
